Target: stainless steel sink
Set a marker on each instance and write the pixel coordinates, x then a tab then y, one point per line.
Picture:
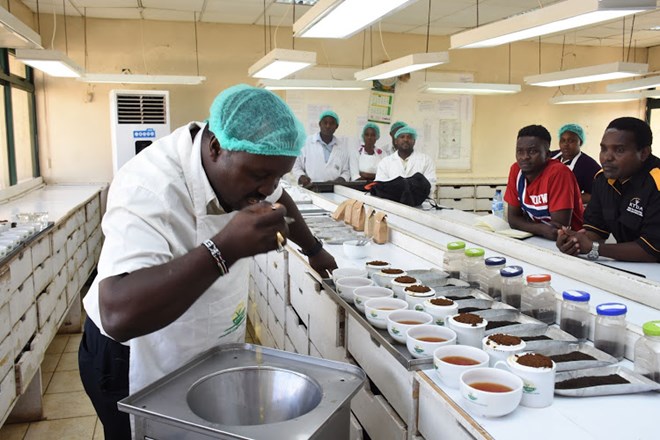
243	391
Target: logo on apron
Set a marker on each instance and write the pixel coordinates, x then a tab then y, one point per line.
237	319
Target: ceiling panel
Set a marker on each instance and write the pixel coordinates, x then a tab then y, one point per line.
110	4
228	17
174	5
118	13
169	15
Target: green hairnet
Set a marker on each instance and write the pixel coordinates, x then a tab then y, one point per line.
331	114
407	130
573	128
396	126
371	125
256	121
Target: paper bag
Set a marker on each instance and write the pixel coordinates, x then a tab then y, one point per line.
348	216
340	212
358	217
381	230
369	217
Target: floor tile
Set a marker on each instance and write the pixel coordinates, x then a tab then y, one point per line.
98	431
67	405
79	428
73	343
68	362
45	380
65	382
14	431
58	344
49	363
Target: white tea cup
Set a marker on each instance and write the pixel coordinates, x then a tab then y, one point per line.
538	382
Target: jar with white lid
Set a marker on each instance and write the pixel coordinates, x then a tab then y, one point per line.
539	299
491	280
610	330
473	264
647	351
454	258
575	317
512	285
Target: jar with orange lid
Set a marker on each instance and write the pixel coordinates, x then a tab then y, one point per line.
539	299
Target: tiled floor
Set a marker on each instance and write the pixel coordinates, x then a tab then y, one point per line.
68	413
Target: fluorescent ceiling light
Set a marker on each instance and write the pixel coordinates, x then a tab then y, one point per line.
558	17
343	18
312	84
596	98
16	34
409	63
50	62
639	84
461	88
602	72
280	63
127	78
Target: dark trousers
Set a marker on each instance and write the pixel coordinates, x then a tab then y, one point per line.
103	365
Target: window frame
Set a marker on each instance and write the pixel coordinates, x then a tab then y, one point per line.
9	80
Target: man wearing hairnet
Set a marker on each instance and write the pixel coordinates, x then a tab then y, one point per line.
182	219
394	128
406	161
323	158
571	138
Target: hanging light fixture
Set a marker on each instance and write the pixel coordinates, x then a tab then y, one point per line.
558	17
129	78
463	88
16	34
596	98
51	62
399	66
312	84
602	72
280	63
639	84
344	18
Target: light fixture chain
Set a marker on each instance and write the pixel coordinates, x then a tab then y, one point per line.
196	41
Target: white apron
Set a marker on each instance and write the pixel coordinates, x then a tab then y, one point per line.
217	317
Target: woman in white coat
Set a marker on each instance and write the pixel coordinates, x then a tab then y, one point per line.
370	155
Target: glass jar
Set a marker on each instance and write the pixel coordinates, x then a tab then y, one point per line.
491	280
540	299
454	258
647	351
473	264
610	330
575	315
512	285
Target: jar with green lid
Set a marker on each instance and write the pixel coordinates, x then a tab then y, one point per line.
647	351
454	258
473	264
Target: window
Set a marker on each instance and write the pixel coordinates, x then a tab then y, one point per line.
653	117
19	158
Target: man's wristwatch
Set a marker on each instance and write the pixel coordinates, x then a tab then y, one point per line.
314	249
593	253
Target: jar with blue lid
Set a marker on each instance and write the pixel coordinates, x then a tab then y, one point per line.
610	330
491	280
575	317
512	285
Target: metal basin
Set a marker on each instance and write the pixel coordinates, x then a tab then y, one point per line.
253	396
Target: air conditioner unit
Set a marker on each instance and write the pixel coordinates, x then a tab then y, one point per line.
138	118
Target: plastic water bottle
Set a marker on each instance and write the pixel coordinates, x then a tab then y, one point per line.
498	204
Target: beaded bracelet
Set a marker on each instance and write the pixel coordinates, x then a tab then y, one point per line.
217	256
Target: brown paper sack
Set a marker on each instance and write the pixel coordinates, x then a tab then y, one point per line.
369	216
348	215
357	220
381	230
340	212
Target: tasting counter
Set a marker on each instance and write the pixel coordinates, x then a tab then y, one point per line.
291	309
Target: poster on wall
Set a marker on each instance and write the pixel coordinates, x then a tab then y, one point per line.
380	106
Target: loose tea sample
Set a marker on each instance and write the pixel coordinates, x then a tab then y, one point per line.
502	339
572	356
497	324
405	279
392	271
442	302
417	288
377	263
590	381
534	360
469	309
577	328
455	297
536	338
469	318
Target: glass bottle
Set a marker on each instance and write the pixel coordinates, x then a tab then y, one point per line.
512	285
610	330
454	258
647	351
540	299
497	205
575	313
491	280
473	264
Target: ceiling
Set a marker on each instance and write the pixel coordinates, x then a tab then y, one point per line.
447	16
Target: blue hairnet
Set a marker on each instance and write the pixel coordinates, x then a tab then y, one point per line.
407	130
256	121
331	114
573	128
397	125
371	125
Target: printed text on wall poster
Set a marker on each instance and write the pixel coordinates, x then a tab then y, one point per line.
380	106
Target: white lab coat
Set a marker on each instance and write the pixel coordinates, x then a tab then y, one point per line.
311	161
393	166
161	206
